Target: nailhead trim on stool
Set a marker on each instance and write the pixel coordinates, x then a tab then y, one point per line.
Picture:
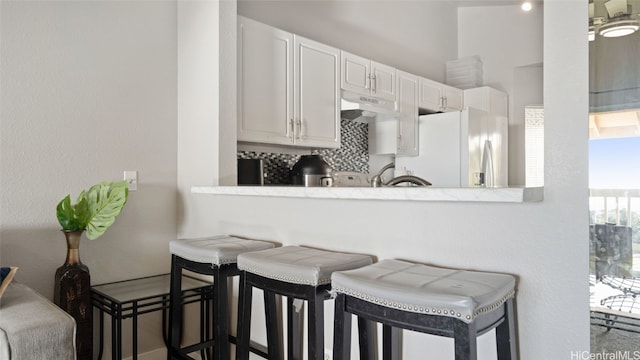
298	273
421	297
216	256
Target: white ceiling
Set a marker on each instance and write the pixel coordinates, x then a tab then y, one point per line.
614	124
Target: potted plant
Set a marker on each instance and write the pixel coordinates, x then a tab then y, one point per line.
95	211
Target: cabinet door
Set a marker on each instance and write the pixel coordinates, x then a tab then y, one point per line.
430	95
316	94
265	83
355	72
383	83
488	99
408	118
453	98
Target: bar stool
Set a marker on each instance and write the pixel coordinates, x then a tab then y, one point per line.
298	273
216	256
446	302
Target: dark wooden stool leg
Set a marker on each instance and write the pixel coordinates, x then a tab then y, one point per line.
220	315
391	342
245	293
506	334
175	307
464	336
341	330
271	316
367	334
315	324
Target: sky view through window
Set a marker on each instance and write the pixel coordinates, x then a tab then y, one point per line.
614	163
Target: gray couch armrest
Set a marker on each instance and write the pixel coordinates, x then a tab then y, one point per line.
32	327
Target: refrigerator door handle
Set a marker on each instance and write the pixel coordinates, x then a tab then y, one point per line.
487	164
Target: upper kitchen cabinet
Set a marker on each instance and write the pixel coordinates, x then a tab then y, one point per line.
485	98
367	77
438	97
265	83
398	133
408	114
288	88
316	94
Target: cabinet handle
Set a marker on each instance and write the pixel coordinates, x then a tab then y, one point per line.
368	85
374	83
445	102
298	134
300	129
291	129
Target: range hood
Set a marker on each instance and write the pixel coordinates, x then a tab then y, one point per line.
360	107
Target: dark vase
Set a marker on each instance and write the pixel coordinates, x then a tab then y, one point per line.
72	293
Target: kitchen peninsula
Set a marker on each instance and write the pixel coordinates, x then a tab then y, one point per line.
535	241
504	195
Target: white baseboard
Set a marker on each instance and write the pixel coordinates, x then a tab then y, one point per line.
158	354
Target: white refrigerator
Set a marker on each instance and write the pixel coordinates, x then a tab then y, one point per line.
467	148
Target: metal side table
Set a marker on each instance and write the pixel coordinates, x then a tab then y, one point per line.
131	298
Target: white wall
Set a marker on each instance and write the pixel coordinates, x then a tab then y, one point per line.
410	35
543	244
88	91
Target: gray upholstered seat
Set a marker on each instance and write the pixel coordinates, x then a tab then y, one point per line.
459	304
300	265
215	256
427	289
216	250
299	273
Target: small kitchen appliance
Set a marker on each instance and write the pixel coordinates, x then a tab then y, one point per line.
251	172
311	170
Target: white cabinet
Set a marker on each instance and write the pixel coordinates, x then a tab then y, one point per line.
486	98
435	96
453	98
367	77
408	110
398	134
265	83
288	88
316	94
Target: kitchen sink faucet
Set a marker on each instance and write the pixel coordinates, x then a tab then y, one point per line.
376	180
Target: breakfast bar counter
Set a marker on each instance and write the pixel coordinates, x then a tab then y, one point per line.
402	193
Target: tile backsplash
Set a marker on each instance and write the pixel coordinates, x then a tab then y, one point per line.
353	155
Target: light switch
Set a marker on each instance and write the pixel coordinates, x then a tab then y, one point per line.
132	180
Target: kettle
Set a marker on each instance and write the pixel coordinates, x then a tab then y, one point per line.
311	170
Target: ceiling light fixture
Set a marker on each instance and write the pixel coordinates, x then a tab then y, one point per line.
619	28
526	6
612	18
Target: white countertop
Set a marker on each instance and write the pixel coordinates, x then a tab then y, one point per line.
505	195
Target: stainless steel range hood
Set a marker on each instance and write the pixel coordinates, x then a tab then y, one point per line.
364	108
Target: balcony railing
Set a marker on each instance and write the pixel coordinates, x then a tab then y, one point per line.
618	206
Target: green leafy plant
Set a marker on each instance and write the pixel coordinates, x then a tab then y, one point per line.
95	210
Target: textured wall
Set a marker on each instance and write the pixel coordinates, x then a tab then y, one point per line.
88	90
